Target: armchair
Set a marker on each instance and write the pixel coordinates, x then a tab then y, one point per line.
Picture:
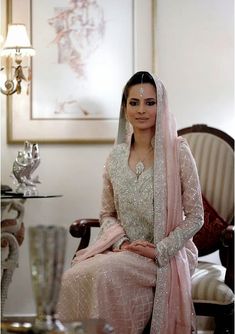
212	284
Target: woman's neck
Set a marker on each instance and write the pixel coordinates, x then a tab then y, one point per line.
142	139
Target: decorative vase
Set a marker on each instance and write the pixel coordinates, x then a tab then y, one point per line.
47	245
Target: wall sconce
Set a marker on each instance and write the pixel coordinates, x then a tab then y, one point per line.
16	46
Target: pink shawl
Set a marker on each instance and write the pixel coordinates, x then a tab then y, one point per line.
173	308
106	240
173	311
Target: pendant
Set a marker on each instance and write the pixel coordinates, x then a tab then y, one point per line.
139	168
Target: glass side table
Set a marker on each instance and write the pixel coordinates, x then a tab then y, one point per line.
12	235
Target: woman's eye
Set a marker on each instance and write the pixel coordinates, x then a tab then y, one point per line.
133	103
151	103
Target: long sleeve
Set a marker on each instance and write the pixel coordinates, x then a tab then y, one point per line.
108	213
192	207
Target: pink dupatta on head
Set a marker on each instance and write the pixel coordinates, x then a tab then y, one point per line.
173	311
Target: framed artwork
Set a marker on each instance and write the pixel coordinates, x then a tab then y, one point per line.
85	52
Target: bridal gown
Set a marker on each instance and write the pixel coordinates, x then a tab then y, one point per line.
119	286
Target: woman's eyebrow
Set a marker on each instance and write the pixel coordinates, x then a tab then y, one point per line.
146	99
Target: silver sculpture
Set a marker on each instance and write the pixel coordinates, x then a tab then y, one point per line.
24	165
47	256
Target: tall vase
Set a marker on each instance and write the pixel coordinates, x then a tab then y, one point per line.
47	245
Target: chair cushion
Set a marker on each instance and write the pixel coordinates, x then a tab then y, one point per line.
208	285
208	238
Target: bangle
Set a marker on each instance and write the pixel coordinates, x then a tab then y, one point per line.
117	244
125	239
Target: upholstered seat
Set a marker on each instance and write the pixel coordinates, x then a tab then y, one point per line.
212	283
208	285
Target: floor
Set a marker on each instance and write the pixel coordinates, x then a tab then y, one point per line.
203	323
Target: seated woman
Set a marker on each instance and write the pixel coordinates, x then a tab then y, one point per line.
142	262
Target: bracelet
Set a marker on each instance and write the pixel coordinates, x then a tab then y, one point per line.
124	239
117	244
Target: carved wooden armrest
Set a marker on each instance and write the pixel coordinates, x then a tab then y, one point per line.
81	228
227	254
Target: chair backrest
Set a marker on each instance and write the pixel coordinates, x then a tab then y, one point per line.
213	151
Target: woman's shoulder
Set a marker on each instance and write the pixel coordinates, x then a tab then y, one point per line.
183	145
116	156
185	154
119	149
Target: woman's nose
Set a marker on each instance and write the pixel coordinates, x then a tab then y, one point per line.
141	109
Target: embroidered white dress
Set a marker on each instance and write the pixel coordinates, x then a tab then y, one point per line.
119	286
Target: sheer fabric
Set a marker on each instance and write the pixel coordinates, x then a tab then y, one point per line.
173	309
162	206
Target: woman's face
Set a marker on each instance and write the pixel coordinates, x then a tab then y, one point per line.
141	107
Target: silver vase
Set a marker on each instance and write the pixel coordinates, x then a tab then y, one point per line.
47	245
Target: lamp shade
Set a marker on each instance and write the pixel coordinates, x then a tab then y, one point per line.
17	39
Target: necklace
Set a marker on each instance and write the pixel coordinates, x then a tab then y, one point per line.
140	167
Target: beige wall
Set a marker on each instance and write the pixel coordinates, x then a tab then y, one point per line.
194	57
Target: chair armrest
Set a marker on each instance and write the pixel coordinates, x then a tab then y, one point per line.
227	254
81	228
228	236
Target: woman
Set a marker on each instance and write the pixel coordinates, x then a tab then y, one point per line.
144	256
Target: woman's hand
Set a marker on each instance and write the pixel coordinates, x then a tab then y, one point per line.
140	247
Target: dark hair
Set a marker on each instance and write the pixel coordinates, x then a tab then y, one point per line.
137	78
